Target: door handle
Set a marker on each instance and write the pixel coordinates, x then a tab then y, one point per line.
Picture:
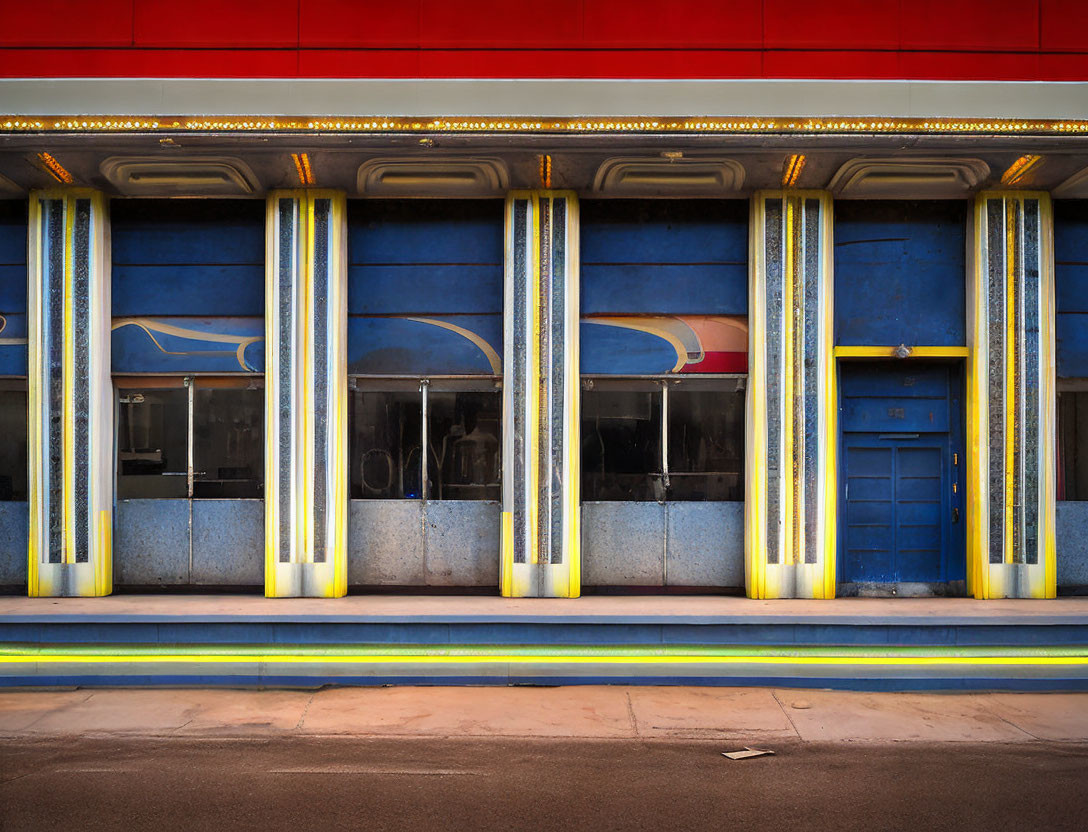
955	515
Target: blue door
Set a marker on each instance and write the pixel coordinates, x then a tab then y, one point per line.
901	498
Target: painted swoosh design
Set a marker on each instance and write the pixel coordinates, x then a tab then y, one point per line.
679	335
488	350
695	338
5	342
151	327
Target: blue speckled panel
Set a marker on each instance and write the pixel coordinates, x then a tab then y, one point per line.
151	543
14	537
665	257
228	542
900	273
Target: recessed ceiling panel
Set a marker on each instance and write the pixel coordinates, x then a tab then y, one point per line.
677	177
179	175
906	178
433	177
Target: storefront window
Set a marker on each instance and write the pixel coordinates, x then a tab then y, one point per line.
228	434
200	438
627	455
459	421
152	446
1073	445
13	418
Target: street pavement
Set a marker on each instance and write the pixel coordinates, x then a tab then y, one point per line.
569	758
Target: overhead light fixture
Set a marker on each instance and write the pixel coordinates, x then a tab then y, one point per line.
1019	169
546	171
55	168
792	170
302	168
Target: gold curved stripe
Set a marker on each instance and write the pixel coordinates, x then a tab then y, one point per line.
151	326
489	351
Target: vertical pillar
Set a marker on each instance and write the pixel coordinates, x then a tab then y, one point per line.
541	552
1011	399
306	485
790	464
70	395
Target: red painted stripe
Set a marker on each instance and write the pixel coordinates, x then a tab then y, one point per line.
832	39
626	63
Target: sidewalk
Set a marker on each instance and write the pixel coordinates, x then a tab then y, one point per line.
743	716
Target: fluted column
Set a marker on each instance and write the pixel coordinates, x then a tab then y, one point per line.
790	495
70	396
541	447
306	473
1011	399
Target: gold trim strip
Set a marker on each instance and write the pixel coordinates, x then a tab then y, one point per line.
645	124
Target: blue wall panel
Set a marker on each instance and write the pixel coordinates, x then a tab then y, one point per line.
900	273
664	257
435	257
13	220
1071	286
425	289
182	268
618	351
425	346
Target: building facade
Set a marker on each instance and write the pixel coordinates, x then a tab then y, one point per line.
710	330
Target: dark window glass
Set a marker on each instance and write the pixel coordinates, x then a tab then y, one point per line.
464	435
152	443
621	445
385	444
228	442
1073	446
706	445
12	444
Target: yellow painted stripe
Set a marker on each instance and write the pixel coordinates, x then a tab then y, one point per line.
34	399
870	661
915	352
829	405
507	554
532	440
1011	343
69	389
1047	385
271	392
572	477
304	441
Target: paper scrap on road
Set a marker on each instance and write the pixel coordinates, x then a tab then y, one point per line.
746	753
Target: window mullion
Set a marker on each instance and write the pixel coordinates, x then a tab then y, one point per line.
189	386
424	384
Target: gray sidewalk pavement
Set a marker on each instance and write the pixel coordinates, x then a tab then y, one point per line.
741	715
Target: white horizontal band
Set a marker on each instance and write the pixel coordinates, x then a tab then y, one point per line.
543	98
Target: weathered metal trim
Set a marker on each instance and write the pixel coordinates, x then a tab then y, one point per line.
1011	399
790	460
70	394
306	394
541	448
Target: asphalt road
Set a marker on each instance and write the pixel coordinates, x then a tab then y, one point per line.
517	785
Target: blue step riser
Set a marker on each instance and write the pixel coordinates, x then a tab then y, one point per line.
528	633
